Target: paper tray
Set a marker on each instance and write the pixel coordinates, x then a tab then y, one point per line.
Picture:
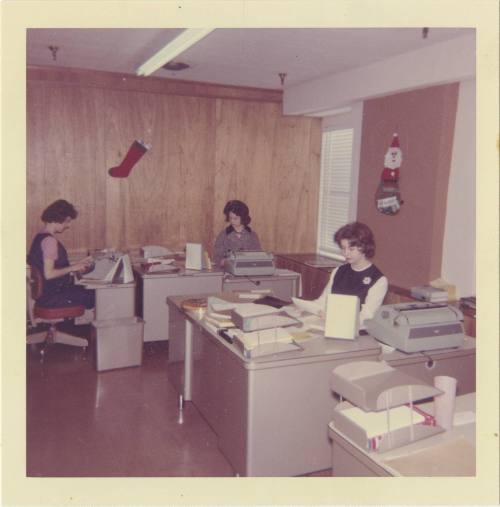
374	385
385	441
266	349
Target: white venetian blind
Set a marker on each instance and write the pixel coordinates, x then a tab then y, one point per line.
335	187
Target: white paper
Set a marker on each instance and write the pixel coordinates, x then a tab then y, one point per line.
342	316
376	423
219	305
256	338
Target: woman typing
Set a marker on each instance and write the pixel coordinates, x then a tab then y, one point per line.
237	235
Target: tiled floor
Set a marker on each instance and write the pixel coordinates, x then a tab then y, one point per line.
119	423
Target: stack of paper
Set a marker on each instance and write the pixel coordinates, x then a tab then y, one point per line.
380	423
219	320
266	336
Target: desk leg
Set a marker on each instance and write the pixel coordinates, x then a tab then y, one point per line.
188	362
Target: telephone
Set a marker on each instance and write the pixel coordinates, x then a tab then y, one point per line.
155	251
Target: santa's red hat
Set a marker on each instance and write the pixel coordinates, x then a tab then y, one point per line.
395	141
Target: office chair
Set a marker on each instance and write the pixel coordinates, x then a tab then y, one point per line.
38	314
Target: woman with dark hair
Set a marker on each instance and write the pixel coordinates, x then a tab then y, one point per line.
358	276
49	256
237	235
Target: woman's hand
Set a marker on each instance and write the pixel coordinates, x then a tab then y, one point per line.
82	265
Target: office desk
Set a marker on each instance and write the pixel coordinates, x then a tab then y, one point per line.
270	413
457	362
451	453
112	301
154	288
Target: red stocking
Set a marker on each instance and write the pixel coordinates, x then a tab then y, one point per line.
135	152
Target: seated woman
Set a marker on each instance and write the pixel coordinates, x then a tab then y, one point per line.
50	257
236	236
358	276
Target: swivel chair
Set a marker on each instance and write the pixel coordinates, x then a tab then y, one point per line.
39	314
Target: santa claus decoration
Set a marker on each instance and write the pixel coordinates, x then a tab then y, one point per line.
388	197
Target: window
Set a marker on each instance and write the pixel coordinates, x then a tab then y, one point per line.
338	187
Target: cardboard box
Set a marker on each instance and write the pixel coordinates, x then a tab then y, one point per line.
117	343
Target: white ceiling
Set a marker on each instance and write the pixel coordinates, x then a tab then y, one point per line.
242	57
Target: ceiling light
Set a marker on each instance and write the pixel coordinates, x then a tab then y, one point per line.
174	48
173	65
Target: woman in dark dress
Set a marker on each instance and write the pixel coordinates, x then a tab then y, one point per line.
49	256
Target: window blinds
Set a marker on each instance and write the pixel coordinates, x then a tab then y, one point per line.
335	187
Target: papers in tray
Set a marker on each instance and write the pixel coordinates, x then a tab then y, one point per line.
251	317
264	342
379	423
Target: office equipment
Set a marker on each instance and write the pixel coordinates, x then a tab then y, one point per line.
374	386
342	316
264	342
450	453
429	293
159	267
251	317
52	316
113	268
412	327
284	284
118	342
256	405
194	256
154	251
250	263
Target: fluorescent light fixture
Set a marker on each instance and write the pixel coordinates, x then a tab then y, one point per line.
185	40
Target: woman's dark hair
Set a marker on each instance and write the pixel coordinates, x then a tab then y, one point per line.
58	212
240	209
357	234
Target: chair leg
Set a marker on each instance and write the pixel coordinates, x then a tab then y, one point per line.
35	338
67	339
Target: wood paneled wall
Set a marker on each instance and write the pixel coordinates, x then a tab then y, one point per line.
206	148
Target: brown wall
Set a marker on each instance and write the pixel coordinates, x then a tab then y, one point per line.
209	144
409	244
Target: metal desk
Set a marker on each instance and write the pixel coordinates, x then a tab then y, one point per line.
154	288
457	362
451	453
270	413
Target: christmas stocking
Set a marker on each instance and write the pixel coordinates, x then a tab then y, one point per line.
135	152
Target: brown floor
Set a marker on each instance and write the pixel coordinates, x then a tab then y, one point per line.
119	423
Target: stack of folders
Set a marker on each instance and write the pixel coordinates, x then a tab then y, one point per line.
429	293
219	320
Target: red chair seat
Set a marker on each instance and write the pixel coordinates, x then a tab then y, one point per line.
68	312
